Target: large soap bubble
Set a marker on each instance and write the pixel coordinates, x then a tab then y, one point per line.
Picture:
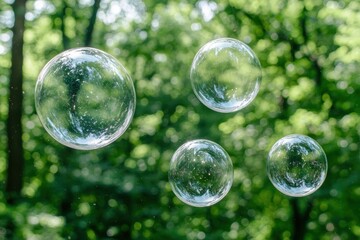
85	98
297	165
225	75
201	173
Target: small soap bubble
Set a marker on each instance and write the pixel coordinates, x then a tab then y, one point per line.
225	75
85	98
297	165
201	173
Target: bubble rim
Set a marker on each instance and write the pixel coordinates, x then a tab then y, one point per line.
175	156
210	45
38	88
276	145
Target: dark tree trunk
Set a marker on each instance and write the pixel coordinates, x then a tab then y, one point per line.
66	208
65	39
90	28
300	219
15	160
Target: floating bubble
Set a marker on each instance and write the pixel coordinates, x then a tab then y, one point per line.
201	173
85	98
225	75
297	165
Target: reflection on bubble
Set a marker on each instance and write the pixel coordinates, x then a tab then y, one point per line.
297	165
225	75
201	173
84	98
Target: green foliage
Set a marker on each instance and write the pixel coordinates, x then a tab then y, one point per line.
309	51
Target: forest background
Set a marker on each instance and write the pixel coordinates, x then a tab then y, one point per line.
310	56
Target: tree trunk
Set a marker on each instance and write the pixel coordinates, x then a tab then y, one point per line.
66	203
90	28
300	219
15	160
65	38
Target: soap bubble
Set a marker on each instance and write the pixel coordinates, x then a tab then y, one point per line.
297	165
84	98
201	173
225	75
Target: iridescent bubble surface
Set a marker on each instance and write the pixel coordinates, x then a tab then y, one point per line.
84	98
297	165
201	173
225	75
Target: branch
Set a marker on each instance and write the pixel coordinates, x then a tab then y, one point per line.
312	57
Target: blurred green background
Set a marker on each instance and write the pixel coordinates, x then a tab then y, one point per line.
310	54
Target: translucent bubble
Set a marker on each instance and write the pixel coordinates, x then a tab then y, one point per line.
225	75
201	173
297	165
84	98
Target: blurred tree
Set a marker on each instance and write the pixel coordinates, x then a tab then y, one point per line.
90	28
309	51
15	163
